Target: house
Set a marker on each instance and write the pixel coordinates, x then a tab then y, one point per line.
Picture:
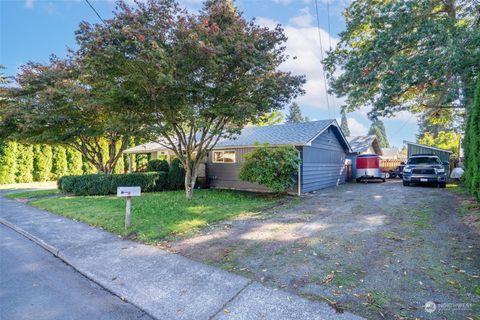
362	145
321	146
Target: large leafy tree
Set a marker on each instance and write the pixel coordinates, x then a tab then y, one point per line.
294	114
58	103
418	55
378	128
194	77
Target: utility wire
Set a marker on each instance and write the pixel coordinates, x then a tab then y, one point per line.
321	56
95	10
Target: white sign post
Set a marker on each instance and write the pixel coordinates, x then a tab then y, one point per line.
128	192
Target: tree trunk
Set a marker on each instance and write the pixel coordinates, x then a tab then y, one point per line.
190	179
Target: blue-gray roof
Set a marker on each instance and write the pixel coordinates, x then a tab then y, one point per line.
289	133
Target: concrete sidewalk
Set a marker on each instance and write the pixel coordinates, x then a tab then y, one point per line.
165	285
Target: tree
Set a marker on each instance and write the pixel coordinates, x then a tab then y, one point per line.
74	161
192	78
472	147
24	161
344	124
269	119
59	104
294	114
42	162
59	162
446	140
8	162
377	128
416	55
274	168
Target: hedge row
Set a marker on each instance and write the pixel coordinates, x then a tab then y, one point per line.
103	184
472	147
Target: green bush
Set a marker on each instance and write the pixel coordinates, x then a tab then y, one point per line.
8	162
103	184
59	162
42	162
272	167
24	163
176	175
472	147
158	165
74	161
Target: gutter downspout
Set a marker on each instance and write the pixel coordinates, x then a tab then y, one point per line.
299	173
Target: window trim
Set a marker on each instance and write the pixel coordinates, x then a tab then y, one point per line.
234	159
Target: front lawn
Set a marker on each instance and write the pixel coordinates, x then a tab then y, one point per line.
156	216
32	194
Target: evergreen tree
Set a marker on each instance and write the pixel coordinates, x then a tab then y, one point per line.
472	147
344	124
74	161
24	163
88	167
8	161
378	128
59	162
42	162
294	114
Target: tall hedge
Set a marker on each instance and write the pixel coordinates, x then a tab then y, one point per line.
8	162
42	162
74	161
176	175
59	162
472	147
24	168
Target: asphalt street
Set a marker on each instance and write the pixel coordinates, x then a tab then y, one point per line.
34	284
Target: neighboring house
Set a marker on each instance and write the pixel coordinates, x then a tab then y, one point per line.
391	154
321	145
362	145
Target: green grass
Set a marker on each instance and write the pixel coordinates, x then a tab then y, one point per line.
156	216
32	194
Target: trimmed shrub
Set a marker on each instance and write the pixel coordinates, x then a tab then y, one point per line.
176	175
59	162
103	184
42	162
158	165
272	167
24	163
74	161
8	162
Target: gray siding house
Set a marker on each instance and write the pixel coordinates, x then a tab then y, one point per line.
321	146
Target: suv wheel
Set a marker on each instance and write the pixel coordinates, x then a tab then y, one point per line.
406	183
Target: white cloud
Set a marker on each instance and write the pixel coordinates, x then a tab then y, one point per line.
29	4
303	19
266	22
284	2
356	128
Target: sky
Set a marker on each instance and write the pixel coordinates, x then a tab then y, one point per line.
32	30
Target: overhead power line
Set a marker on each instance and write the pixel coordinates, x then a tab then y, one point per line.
321	57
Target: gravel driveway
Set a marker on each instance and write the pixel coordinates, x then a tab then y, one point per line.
379	250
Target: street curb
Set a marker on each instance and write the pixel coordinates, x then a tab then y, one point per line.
58	254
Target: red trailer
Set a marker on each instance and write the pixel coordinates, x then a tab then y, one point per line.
368	167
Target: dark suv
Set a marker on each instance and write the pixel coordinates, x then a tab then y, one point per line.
425	168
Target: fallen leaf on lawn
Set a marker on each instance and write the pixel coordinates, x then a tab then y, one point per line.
356	295
454	283
420	283
226	311
314	253
328	278
443	262
381	314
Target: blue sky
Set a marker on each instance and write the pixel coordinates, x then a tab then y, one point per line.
32	30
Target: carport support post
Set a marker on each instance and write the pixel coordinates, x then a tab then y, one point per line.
127	212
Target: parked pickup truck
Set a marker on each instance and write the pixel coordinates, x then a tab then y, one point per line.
425	168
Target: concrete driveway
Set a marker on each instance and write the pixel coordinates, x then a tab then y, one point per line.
379	250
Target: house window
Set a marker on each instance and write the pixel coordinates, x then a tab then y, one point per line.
224	157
